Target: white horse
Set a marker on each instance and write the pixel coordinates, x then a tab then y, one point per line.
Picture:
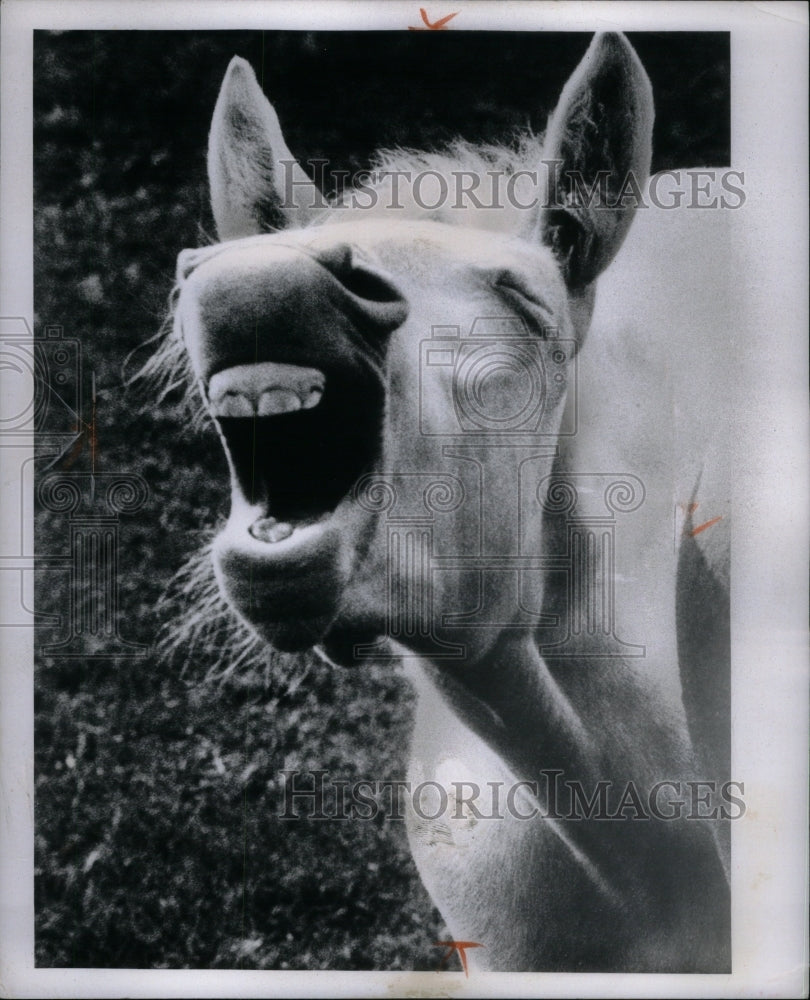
430	465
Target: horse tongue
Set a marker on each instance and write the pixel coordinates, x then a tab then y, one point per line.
268	529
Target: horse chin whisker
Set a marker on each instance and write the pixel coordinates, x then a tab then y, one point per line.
167	373
210	644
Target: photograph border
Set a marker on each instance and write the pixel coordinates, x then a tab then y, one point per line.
769	44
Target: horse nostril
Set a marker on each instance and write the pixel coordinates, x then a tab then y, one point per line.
374	291
367	284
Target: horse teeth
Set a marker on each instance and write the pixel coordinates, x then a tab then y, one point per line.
313	397
264	389
233	404
268	529
273	401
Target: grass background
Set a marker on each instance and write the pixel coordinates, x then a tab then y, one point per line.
158	842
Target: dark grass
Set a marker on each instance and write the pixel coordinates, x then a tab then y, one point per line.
160	842
158	838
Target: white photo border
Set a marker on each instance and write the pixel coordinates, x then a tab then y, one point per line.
769	44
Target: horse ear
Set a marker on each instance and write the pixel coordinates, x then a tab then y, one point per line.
598	149
255	182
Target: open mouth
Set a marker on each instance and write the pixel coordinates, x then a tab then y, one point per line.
298	439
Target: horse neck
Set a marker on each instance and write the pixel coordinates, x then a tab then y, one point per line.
584	719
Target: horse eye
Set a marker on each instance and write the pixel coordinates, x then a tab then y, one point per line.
519	291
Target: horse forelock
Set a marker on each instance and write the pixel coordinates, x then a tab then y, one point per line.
401	183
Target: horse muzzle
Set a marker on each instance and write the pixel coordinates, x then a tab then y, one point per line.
288	349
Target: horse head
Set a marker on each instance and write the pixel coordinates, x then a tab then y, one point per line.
310	345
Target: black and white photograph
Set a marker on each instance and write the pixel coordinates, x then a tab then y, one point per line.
404	441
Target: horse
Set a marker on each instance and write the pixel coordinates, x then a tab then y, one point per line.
448	452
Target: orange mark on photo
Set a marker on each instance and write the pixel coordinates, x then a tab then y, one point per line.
704	526
87	434
460	947
435	25
689	509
